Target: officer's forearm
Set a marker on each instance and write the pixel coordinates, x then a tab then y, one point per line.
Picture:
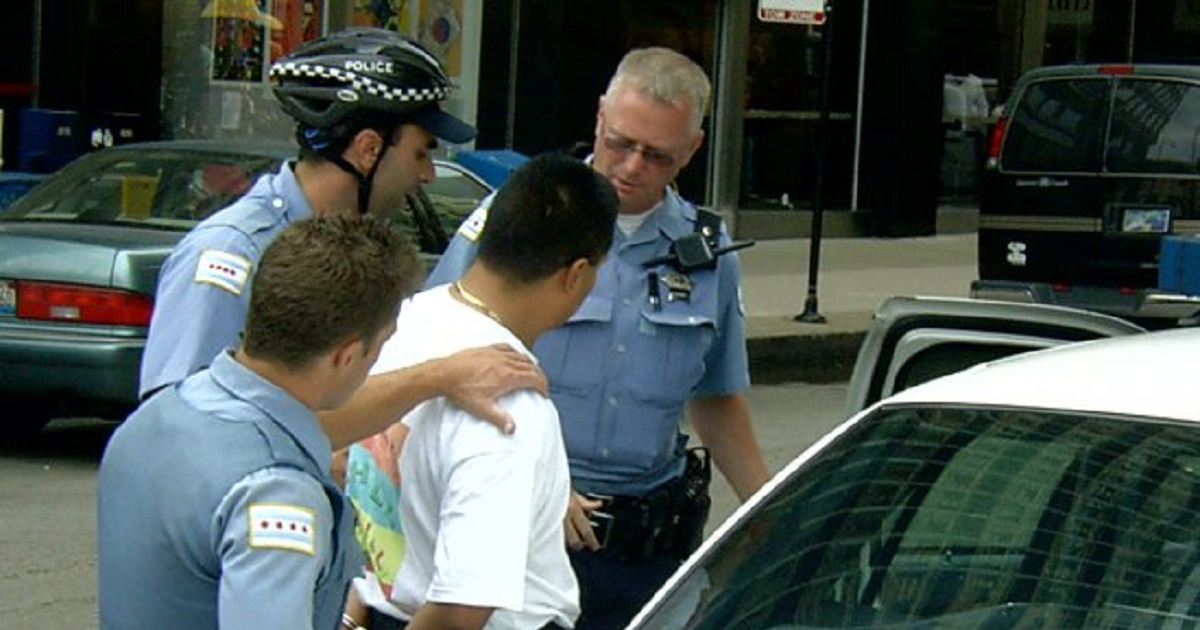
381	401
724	426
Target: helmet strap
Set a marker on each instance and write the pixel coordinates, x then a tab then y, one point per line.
331	152
366	183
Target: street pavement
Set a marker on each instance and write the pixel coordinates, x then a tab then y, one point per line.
854	275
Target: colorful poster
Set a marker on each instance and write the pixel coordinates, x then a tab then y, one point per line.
441	32
389	14
300	20
239	43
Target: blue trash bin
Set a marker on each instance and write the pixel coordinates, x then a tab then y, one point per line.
49	139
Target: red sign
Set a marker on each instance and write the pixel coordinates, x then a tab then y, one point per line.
792	11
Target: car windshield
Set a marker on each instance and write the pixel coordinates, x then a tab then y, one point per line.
164	188
966	518
454	194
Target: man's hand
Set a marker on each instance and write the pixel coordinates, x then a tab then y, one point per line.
472	379
475	378
578	524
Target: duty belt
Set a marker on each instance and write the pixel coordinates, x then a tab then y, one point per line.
668	520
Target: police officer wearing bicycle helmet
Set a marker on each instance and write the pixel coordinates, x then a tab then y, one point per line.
366	104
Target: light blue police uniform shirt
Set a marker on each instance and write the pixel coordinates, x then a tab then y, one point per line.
622	371
216	509
204	285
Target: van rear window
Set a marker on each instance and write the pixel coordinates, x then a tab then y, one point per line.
1063	126
1057	127
1155	128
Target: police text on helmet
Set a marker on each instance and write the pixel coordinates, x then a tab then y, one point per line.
378	67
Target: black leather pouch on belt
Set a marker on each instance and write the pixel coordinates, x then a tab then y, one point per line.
669	520
694	503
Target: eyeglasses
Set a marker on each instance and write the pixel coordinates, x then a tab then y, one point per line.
625	147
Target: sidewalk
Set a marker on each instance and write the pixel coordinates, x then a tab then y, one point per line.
854	276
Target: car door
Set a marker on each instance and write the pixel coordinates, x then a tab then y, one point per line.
915	339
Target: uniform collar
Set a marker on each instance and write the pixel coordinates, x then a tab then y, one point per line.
283	193
671	218
282	408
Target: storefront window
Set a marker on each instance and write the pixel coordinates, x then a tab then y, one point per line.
689	29
216	60
782	99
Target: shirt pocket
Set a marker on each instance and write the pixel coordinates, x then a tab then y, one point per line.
671	346
568	354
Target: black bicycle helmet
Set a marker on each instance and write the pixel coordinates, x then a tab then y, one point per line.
363	78
359	71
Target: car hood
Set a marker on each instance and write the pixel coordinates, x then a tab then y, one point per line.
100	255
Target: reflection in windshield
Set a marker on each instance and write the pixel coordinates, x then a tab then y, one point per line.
966	518
173	189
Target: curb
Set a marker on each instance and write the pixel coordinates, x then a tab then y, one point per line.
821	358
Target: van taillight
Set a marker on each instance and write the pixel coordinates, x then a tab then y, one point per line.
83	304
997	139
1120	68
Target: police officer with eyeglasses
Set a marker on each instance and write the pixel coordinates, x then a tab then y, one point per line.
655	339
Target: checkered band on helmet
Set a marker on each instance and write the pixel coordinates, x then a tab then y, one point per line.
324	81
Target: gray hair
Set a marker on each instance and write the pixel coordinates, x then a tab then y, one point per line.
665	76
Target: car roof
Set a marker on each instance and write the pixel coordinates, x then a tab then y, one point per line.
264	148
271	149
1112	69
1151	374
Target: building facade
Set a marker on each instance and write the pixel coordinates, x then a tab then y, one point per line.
849	116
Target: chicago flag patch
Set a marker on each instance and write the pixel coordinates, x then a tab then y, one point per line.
280	526
223	270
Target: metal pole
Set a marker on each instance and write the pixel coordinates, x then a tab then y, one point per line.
510	117
36	54
811	315
1132	24
858	105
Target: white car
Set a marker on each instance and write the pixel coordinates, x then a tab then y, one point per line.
1058	488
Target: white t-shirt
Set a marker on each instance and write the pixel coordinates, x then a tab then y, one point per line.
482	511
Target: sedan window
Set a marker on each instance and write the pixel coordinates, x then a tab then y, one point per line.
154	188
969	517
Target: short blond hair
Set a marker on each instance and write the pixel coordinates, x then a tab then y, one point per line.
666	76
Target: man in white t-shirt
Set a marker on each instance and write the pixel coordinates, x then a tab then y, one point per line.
482	511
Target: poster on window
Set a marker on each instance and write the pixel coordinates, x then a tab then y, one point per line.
441	32
300	21
240	40
394	15
249	35
437	24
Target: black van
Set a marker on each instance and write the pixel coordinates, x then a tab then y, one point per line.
1089	166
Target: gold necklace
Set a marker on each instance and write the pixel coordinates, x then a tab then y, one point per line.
468	298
